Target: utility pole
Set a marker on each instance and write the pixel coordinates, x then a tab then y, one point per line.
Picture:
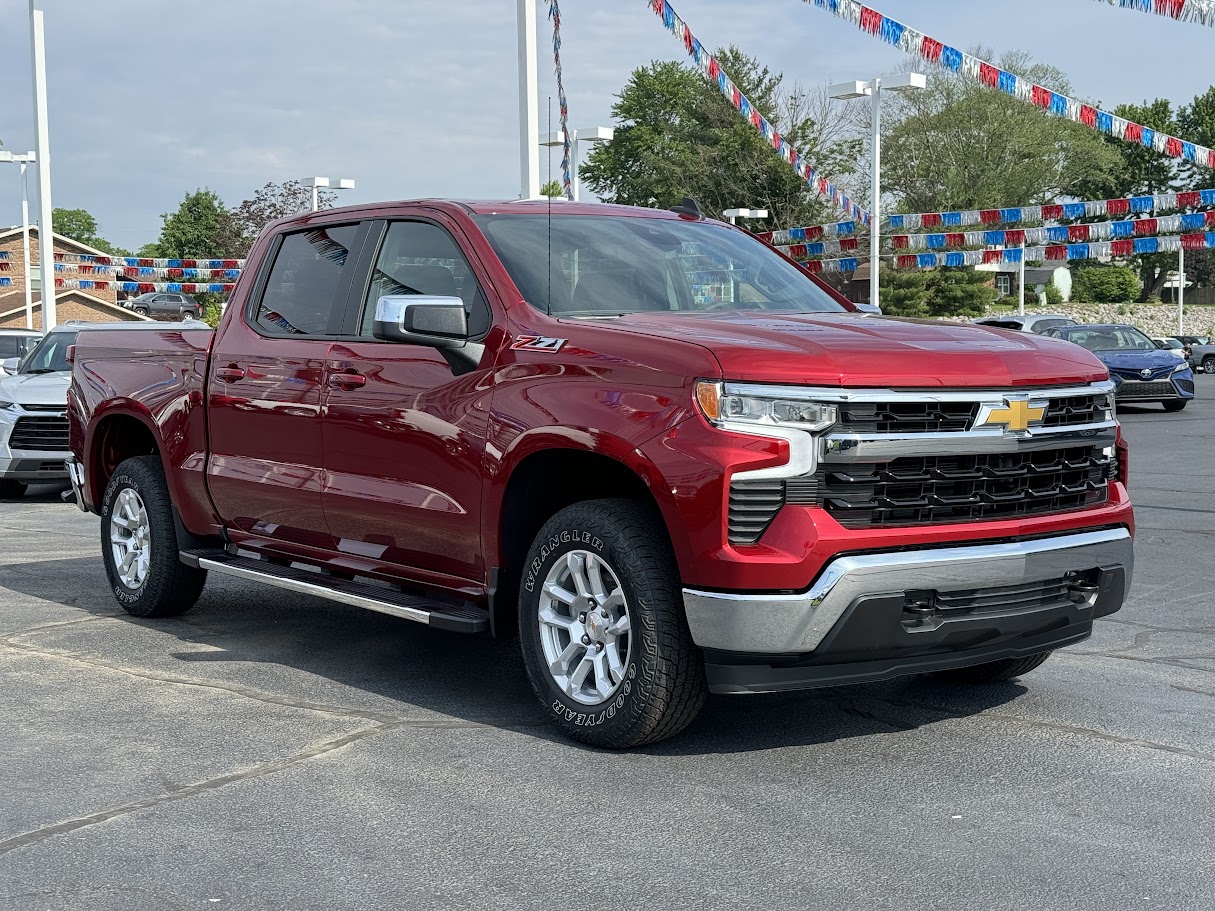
1021	282
1181	291
42	149
529	112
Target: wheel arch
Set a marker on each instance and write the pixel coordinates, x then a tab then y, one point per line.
119	433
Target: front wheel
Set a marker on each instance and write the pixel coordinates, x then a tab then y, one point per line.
1175	404
139	543
994	671
602	629
1208	364
142	311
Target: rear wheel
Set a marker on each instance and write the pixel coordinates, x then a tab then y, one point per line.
994	671
1208	364
1175	404
139	543
142	311
12	490
190	314
602	629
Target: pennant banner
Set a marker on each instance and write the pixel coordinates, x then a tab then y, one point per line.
1059	252
1063	234
712	71
821	266
144	272
554	13
1200	11
145	262
4	254
917	44
142	287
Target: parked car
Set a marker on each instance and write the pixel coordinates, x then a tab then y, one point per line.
497	418
1201	350
162	304
1036	324
33	414
14	343
1142	371
1176	347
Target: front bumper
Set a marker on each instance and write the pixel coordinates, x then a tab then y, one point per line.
30	466
1179	385
872	616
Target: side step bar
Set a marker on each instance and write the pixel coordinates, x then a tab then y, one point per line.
456	618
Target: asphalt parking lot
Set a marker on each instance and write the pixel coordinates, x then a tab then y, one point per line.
269	751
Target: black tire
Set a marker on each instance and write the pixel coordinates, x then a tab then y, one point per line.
190	314
170	588
1208	364
994	671
1175	404
11	490
663	687
142	311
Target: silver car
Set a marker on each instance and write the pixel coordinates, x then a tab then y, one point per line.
1036	323
33	415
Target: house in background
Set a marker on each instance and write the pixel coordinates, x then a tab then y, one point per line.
90	306
1004	278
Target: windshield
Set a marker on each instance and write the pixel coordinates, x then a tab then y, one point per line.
50	355
1109	339
604	266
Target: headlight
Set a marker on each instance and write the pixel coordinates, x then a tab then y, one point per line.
723	406
1180	367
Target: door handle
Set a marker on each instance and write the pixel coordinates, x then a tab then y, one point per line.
348	380
230	374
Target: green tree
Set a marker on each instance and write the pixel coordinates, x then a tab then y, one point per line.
273	201
939	292
81	226
201	227
1105	285
959	145
552	189
1054	297
903	292
679	137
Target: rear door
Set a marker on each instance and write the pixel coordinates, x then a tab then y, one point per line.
267	375
404	436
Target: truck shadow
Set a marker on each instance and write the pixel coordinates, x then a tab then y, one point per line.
237	626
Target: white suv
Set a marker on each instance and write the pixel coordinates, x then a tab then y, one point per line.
33	415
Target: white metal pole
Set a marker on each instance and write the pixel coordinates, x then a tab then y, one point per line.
875	212
25	247
1021	282
316	201
574	150
529	104
42	146
1181	291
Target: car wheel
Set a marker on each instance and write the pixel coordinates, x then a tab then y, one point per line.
11	490
1208	364
142	311
1175	404
993	671
602	628
190	314
139	543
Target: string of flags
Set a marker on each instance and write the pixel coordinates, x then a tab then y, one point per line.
711	69
1063	234
144	272
151	263
917	44
68	284
1128	205
1200	11
554	13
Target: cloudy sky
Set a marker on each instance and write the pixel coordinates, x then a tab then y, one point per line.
153	98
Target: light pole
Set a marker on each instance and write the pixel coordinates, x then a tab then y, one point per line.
900	82
319	183
42	147
24	161
734	214
529	105
577	137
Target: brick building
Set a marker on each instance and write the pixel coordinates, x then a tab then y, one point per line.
90	306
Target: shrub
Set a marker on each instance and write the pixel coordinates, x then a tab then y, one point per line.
1105	285
1054	297
941	292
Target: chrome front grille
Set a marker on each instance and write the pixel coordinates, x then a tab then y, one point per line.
907	417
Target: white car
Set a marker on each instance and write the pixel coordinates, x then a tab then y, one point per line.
33	415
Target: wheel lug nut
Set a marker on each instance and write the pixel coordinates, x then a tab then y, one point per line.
586	640
582	618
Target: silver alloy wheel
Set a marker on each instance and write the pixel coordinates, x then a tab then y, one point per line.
130	538
585	630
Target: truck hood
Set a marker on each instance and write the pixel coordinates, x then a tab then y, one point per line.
36	388
849	350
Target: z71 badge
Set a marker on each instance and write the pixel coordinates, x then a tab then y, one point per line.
538	343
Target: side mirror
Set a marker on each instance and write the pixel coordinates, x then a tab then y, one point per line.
419	319
9	365
868	309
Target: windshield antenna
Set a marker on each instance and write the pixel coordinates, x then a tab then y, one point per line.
549	303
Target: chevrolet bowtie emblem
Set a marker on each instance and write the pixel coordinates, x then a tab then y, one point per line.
1017	415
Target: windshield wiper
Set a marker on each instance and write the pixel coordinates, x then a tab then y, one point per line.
40	370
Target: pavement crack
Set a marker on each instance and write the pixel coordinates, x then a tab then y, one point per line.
1181	661
212	784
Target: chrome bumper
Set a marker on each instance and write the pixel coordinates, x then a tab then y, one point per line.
76	475
796	624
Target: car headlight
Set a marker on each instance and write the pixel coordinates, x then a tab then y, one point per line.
723	405
1181	367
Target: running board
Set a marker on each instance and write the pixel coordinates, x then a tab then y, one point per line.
456	618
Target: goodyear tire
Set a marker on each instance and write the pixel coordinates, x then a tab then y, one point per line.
602	627
994	671
139	543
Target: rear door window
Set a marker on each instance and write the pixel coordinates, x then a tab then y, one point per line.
300	294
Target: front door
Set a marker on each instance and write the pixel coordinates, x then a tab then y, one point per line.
265	469
404	435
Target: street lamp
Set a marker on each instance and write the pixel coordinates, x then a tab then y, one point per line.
24	161
734	214
577	137
900	82
319	183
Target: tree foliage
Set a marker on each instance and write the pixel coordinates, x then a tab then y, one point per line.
679	137
1105	285
959	145
81	226
553	189
201	226
271	202
939	292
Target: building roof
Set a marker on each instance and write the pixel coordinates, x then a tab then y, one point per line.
60	240
126	314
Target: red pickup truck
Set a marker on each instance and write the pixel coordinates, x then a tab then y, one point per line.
654	448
